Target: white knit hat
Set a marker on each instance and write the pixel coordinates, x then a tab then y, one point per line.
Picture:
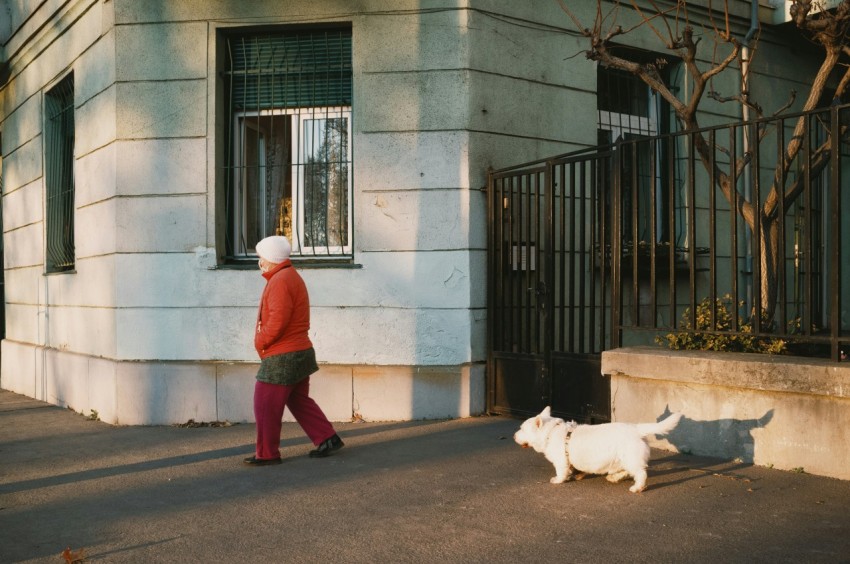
275	249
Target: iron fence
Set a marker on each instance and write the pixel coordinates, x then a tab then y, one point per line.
725	238
748	254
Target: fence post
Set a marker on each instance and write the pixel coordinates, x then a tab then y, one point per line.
616	246
835	266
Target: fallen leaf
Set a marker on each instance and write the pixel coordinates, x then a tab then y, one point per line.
71	557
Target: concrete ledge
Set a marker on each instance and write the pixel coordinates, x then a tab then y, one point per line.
738	370
163	393
785	412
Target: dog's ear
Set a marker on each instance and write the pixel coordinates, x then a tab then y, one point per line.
547	412
538	422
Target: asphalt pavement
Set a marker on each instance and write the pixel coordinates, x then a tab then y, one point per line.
424	491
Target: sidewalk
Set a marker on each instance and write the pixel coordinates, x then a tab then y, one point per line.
430	491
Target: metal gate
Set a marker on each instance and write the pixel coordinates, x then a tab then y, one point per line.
550	286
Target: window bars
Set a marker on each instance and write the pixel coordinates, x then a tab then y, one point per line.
288	156
59	175
628	110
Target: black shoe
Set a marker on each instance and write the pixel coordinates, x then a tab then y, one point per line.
327	447
254	461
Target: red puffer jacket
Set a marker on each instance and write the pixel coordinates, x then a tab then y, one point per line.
284	317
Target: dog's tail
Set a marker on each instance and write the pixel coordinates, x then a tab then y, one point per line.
661	428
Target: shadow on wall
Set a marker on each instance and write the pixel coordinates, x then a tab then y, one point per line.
722	438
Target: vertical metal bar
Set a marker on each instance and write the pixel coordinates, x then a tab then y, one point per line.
547	266
516	272
808	259
519	276
654	177
616	246
671	230
781	289
565	252
692	234
835	219
712	226
538	274
543	231
527	290
496	193
272	120
229	240
571	293
582	241
591	250
733	225
602	164
633	147
502	276
533	226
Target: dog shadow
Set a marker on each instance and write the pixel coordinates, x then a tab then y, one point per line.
721	438
723	443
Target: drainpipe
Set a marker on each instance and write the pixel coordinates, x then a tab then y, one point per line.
745	116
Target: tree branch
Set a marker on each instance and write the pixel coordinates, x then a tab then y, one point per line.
787	105
740	98
647	21
576	21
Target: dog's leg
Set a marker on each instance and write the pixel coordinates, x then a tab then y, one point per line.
563	470
640	481
562	474
617	476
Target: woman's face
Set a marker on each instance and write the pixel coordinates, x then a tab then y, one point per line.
265	265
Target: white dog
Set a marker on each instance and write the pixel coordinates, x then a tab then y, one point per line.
616	449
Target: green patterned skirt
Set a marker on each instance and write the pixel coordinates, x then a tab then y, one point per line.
288	368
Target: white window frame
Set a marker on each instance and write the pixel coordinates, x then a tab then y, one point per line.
299	125
241	203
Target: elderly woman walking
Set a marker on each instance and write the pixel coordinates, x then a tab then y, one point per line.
287	359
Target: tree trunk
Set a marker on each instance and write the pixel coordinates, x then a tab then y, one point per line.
769	260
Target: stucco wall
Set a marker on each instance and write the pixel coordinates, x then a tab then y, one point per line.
147	277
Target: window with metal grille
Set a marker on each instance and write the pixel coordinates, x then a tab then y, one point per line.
59	175
288	158
628	110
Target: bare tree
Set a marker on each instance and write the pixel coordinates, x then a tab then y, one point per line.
672	26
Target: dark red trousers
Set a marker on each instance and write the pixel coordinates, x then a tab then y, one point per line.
269	401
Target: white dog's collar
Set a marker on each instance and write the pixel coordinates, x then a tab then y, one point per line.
570	430
552	427
555	426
